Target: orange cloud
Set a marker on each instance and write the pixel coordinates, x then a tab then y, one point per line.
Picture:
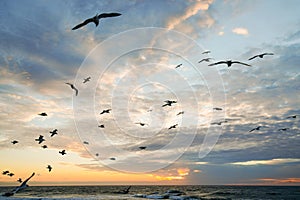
189	12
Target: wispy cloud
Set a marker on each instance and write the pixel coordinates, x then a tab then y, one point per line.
240	31
277	161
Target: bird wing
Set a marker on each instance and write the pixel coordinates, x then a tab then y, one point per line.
83	24
201	60
238	62
253	57
104	15
76	90
217	63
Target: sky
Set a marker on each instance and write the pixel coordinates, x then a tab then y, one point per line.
132	61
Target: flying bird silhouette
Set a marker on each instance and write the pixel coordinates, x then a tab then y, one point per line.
283	129
5	172
20	180
40	139
54	132
105	111
112	158
255	129
229	63
216	108
44	146
292	117
96	19
205	60
49	168
142	147
180	113
43	114
141	123
168	103
261	55
86	79
73	87
85	142
219	123
101	126
14	142
173	126
21	187
10	174
63	152
178	66
206	52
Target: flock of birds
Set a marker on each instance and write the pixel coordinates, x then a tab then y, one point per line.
54	132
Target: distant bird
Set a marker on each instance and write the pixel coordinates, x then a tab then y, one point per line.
10	174
85	142
205	60
5	172
180	113
21	187
73	87
260	55
178	66
40	139
216	108
292	117
20	180
86	79
141	123
49	168
125	191
219	123
105	111
97	154
63	152
43	114
283	129
54	132
206	52
14	142
229	63
173	126
44	146
112	158
168	103
96	19
255	129
150	110
101	126
142	148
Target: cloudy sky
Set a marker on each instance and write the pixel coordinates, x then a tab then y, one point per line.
132	61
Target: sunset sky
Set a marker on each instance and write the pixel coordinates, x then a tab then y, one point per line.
131	60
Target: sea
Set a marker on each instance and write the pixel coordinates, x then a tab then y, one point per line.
190	192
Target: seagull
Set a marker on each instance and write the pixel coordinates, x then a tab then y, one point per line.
85	142
283	129
10	174
73	87
168	103
20	180
205	60
101	126
49	168
142	147
40	139
63	152
255	129
112	158
206	52
21	187
293	116
96	19
219	123
44	146
141	123
261	55
14	142
178	66
54	132
86	79
216	108
97	154
180	113
43	114
5	172
105	111
173	126
229	63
